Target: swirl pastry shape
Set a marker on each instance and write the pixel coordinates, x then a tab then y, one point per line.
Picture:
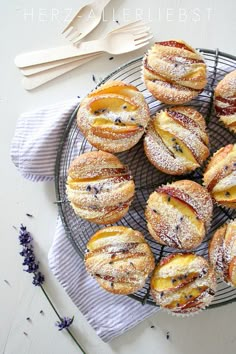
222	252
99	187
183	283
179	214
176	141
220	176
174	72
113	117
225	100
119	259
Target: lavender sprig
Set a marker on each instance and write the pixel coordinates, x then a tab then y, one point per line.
30	261
64	323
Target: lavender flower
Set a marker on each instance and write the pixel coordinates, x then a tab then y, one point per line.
64	323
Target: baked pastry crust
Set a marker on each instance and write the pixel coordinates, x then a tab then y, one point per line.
119	259
113	117
99	187
179	214
174	72
225	100
220	176
222	252
176	141
183	283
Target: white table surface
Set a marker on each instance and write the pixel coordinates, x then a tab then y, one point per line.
29	25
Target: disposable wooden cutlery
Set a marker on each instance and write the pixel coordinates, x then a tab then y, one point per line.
34	69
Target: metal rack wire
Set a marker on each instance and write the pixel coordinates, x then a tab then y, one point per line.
146	177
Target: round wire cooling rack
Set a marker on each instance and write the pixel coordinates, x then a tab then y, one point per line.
146	177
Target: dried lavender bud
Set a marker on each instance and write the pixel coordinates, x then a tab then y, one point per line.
6	281
112	284
152	326
24	236
169	199
140	126
117	22
26	334
64	323
173	280
28	319
182	218
32	268
88	188
154	210
96	190
111	58
177	227
29	215
118	120
177	147
38	279
29	260
27	251
124	107
168	335
41	312
14	227
110	262
162	293
78	96
132	118
94	78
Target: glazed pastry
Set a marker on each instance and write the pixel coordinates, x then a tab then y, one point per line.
225	100
220	176
119	259
183	283
179	214
99	187
176	141
113	117
174	72
222	252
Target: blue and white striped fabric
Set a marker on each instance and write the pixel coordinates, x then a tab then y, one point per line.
33	152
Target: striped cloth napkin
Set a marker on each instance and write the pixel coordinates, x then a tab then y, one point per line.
33	151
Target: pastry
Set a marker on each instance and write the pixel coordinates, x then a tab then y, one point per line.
119	259
220	176
99	187
179	214
113	117
225	100
174	72
176	141
222	252
183	283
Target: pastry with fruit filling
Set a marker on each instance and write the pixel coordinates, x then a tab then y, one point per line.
114	116
174	72
99	187
176	141
179	214
119	259
220	176
183	283
225	100
222	252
